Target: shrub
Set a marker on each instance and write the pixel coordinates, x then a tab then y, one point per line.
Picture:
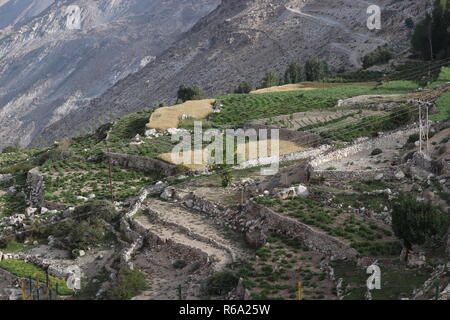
10	149
221	283
376	152
186	93
101	209
379	56
244	87
129	284
179	264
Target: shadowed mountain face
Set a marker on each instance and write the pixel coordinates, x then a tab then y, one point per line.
240	40
54	59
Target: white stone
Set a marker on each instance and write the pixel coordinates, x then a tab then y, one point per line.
81	253
82	198
30	211
44	210
379	176
92	196
302	191
400	175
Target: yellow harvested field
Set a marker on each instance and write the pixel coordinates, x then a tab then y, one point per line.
169	117
304	86
285	147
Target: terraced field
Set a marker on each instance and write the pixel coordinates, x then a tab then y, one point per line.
66	181
243	108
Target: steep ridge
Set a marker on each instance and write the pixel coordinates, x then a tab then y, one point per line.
241	40
48	70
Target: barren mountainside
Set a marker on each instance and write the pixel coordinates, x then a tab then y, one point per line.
240	40
48	70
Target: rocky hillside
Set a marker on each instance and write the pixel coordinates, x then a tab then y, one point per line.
48	70
241	40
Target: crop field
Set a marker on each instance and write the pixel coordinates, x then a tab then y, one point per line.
66	181
364	234
396	281
243	108
311	86
251	150
169	117
274	272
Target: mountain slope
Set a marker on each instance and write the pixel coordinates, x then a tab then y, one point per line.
48	70
240	40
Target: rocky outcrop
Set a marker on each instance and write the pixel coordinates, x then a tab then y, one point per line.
35	189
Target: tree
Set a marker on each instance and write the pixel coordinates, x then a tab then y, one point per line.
418	222
186	93
244	87
431	38
315	69
270	80
294	73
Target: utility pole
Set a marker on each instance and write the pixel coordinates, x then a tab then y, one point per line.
420	129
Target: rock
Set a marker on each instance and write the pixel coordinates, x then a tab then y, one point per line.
255	239
399	175
81	253
266	193
429	195
12	190
379	176
30	211
35	243
6	177
44	210
92	196
376	152
302	191
416	259
82	198
168	194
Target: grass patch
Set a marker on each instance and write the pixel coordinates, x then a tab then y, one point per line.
23	269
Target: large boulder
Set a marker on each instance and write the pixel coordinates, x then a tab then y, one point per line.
255	239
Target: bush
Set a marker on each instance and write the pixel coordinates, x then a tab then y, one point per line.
244	87
10	149
376	152
418	222
186	93
179	264
101	209
129	284
379	56
221	283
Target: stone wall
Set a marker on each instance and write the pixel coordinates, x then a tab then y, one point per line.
140	163
358	175
314	240
34	195
256	221
362	145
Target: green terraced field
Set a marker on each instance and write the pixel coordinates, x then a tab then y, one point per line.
241	108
